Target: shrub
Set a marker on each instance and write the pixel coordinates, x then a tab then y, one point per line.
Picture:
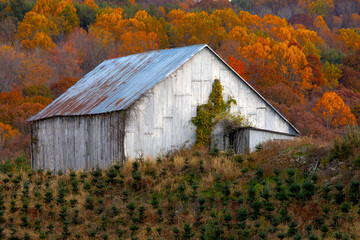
354	191
326	193
89	203
308	189
339	196
357	162
265	193
63	213
326	209
312	236
292	229
242	214
294	190
176	232
256	206
187	233
19	163
259	173
214	151
281	235
345	207
324	229
211	230
238	158
154	200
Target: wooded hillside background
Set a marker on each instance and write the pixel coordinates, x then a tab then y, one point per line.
301	55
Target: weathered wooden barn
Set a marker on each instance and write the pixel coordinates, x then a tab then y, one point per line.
142	105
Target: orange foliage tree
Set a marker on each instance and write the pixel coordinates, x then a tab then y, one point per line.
137	42
238	66
333	111
7	134
279	62
62	85
35	70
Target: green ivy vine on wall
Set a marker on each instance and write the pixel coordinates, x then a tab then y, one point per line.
212	112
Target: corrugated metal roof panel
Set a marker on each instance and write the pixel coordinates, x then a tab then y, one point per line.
116	83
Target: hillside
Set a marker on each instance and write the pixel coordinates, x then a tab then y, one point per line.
290	189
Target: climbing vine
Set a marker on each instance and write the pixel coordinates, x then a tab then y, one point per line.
210	113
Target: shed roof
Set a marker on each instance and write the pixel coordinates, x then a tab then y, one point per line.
117	83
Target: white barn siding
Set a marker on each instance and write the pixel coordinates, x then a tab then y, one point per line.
80	142
246	139
161	120
257	137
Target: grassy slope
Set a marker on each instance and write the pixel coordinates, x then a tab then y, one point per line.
190	195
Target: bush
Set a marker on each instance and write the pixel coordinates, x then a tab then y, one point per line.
345	207
18	163
347	146
357	162
354	191
211	230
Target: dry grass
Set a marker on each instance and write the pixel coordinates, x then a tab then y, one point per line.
163	178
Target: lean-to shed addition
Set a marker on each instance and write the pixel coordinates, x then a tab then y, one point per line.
142	105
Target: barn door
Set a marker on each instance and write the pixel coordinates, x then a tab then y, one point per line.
239	140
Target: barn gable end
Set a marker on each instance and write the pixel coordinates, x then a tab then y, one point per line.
160	121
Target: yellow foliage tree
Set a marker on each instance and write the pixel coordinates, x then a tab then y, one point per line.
196	28
66	16
332	74
45	7
175	17
227	17
350	38
110	20
150	24
334	112
321	7
91	3
270	21
41	40
243	36
45	21
250	21
304	36
36	29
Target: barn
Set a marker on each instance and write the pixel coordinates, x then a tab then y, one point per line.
141	105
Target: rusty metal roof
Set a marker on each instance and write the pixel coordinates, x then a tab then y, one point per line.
116	83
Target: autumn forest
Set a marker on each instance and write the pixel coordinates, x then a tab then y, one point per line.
301	55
